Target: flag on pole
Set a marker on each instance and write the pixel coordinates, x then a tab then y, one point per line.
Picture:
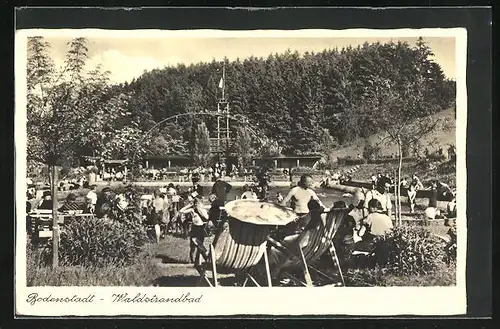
221	82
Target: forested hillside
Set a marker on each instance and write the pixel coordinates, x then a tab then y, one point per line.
290	97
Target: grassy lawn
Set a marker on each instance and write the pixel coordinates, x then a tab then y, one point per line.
377	277
172	251
142	273
176	250
432	141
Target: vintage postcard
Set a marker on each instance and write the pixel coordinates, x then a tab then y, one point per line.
263	172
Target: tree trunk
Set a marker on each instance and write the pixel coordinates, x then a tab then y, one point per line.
55	223
396	193
400	164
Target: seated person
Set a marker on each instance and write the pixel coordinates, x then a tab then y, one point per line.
344	239
89	207
248	193
377	223
381	193
451	210
46	203
70	204
104	203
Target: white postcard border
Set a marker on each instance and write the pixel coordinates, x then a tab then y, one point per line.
376	301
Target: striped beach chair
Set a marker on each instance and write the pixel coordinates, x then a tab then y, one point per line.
301	251
240	244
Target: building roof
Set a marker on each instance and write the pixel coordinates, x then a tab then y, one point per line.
293	157
167	157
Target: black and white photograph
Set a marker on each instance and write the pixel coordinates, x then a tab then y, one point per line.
174	169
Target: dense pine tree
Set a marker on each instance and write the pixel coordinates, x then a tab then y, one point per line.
290	97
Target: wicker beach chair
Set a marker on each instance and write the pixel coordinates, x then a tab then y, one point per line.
301	251
241	241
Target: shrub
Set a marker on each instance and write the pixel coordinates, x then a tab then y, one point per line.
410	250
37	258
436	157
143	272
371	151
380	277
100	242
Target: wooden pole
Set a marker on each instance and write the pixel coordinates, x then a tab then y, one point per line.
268	271
55	222
396	198
307	275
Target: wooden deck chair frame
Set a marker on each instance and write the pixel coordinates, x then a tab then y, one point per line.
211	266
237	264
295	251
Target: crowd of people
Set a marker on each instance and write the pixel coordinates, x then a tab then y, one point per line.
220	169
114	175
338	178
171	209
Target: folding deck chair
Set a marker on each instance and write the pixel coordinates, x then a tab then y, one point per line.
241	241
300	252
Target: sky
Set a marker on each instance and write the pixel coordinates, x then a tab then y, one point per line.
128	58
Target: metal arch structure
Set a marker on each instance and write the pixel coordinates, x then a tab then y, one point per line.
238	118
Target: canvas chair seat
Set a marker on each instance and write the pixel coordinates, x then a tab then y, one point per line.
239	245
302	250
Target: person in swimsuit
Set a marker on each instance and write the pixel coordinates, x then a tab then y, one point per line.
299	198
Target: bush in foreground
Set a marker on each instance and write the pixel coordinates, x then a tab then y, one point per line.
101	242
142	273
381	277
410	250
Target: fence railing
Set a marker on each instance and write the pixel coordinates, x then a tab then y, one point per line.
357	161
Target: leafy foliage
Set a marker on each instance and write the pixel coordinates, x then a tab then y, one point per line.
74	111
410	250
290	98
244	146
100	242
201	144
143	272
370	151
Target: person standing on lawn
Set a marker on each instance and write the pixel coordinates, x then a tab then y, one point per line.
412	195
380	193
221	189
156	215
196	184
299	198
431	210
197	232
218	197
92	198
